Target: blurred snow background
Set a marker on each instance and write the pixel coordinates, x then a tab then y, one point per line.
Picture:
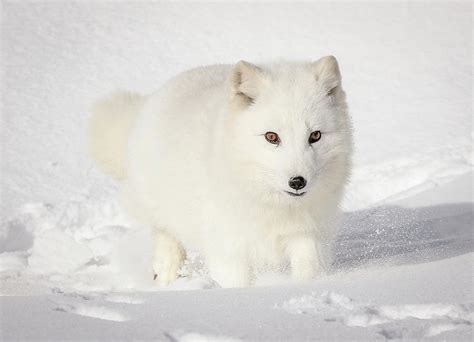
403	266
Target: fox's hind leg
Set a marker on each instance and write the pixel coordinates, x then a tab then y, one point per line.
169	256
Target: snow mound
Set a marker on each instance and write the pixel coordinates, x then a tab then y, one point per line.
87	245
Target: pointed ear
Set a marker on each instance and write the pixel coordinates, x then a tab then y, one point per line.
327	73
245	83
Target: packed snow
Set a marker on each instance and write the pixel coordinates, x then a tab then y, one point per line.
73	265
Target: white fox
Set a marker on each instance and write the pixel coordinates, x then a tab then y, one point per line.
245	163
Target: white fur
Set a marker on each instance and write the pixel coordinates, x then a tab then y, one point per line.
199	169
109	130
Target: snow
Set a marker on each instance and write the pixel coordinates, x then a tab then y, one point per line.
73	265
338	308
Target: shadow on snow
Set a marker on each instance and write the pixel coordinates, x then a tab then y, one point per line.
403	235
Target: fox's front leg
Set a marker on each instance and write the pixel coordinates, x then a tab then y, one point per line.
169	256
302	251
228	265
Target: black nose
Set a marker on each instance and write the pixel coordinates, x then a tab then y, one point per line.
297	182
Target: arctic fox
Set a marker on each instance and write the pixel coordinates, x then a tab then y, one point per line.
245	163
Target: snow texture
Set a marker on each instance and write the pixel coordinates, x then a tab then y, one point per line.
73	265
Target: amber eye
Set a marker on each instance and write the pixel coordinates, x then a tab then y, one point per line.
272	138
315	136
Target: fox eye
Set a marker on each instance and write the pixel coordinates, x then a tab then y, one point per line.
272	138
315	136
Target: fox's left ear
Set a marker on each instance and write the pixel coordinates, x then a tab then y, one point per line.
245	83
326	70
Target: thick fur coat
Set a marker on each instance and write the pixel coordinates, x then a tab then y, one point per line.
210	161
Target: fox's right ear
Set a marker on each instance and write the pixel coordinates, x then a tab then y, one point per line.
245	83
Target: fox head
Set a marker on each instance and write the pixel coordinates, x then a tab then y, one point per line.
290	130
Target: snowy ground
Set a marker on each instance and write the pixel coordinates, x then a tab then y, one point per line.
73	266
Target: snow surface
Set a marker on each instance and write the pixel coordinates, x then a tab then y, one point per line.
73	265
